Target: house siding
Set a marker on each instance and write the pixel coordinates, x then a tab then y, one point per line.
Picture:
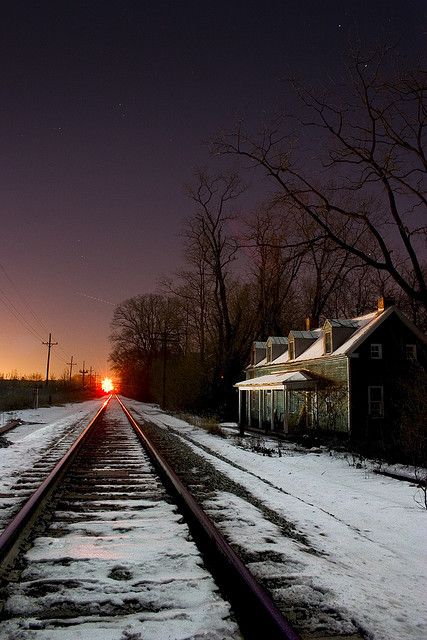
393	372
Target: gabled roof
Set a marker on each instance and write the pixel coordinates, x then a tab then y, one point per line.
420	335
348	324
362	325
277	340
365	329
364	332
311	335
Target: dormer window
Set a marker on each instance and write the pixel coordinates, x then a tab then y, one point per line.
269	353
376	351
328	341
291	350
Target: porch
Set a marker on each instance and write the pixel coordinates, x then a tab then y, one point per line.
282	402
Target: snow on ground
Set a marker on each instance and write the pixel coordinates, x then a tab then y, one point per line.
41	428
368	530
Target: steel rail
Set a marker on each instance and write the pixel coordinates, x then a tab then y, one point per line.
260	618
12	424
11	534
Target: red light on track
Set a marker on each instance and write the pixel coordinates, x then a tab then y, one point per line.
107	385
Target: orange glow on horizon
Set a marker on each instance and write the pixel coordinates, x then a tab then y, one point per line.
107	385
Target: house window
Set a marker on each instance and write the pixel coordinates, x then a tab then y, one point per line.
410	351
376	351
291	348
376	402
269	353
328	342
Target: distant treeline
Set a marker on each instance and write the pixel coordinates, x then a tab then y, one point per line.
28	394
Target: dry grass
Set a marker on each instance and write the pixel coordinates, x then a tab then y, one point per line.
208	423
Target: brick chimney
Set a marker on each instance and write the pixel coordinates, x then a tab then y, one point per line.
384	303
311	323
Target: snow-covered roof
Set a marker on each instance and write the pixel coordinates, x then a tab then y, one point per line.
259	345
363	325
366	325
284	357
273	381
261	362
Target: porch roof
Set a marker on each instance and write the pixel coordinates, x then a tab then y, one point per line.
275	380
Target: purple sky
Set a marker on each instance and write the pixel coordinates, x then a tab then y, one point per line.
105	107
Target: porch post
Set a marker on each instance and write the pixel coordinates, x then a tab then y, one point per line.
285	410
249	408
241	418
272	411
260	398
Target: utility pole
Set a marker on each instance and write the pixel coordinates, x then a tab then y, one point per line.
49	345
165	337
90	377
72	364
83	372
36	398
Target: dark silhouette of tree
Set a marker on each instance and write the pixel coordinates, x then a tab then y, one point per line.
367	170
273	272
211	249
143	327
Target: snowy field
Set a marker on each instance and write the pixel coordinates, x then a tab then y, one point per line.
368	531
40	429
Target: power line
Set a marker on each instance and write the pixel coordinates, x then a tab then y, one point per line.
18	315
23	300
21	318
29	325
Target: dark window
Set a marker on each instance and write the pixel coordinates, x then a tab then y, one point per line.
410	351
269	353
328	342
291	350
376	401
376	351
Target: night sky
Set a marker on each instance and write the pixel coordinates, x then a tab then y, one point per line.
106	108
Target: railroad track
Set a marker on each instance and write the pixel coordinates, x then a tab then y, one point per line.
102	549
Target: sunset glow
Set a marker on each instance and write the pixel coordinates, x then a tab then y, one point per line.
107	385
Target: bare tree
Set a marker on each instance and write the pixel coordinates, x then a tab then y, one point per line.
368	169
193	286
212	249
143	327
333	282
274	270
